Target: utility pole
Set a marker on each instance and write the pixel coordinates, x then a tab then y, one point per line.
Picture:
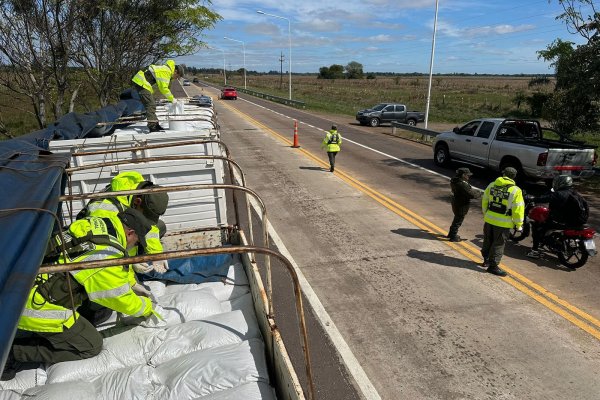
281	60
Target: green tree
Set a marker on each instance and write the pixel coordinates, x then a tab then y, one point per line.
334	71
354	70
337	71
324	73
574	106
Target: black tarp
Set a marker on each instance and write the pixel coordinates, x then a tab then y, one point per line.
31	181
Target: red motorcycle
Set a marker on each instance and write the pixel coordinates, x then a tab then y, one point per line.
572	246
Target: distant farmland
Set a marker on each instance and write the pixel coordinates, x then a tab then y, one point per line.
454	99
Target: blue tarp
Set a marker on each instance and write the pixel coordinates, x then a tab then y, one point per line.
198	269
32	179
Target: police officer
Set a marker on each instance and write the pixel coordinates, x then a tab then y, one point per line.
49	330
503	209
332	142
161	76
462	193
152	205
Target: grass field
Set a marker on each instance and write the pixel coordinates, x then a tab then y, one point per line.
454	99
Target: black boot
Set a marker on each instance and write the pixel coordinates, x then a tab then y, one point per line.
155	128
10	368
496	270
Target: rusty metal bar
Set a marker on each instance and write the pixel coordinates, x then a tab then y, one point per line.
155	146
166	158
48	269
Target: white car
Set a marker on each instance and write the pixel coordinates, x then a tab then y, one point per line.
186	82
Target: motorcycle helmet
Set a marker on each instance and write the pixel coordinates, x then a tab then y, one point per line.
539	214
562	182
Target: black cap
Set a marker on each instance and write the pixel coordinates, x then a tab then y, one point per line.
135	220
463	171
153	204
334	127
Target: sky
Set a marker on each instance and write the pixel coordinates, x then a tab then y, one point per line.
473	36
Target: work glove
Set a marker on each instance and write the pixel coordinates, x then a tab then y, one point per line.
140	290
142	268
161	266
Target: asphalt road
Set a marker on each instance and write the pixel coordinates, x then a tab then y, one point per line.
418	314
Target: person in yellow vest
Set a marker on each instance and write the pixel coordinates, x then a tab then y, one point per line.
332	143
503	208
152	205
49	330
161	76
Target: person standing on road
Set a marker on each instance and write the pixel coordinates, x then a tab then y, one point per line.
462	193
161	76
332	142
503	209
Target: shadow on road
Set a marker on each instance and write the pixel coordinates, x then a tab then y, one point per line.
415	233
315	168
442	259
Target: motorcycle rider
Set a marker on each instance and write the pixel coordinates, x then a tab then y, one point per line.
559	206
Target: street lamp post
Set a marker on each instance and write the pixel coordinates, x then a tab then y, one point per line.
244	51
431	64
290	44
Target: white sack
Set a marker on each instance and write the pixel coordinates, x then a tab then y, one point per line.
207	371
25	379
249	391
128	383
218	330
124	350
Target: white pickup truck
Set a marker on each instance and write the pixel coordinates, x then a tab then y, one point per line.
498	143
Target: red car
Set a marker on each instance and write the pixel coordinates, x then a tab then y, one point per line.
229	93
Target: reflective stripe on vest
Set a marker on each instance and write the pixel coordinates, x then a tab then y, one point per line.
102	205
107	294
59	315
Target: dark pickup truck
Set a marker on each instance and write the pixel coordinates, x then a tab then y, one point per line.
388	112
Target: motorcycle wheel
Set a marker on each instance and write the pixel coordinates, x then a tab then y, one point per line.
573	255
519	236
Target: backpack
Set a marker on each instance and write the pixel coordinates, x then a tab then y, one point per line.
578	210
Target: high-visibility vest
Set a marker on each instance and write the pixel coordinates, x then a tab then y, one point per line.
162	75
332	140
502	204
128	180
109	287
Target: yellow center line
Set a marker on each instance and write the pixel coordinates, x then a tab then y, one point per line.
560	306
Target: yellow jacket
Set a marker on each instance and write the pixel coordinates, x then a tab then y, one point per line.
502	204
162	74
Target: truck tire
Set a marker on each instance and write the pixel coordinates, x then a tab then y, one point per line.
374	122
411	122
441	156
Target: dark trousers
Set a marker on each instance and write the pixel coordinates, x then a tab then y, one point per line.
331	155
494	239
147	100
460	211
538	231
80	341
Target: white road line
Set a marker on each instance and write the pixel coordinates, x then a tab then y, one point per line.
359	375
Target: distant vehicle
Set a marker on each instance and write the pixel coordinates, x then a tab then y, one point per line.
388	112
229	93
497	143
196	80
186	82
201	100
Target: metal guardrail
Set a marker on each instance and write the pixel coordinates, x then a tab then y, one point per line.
422	131
294	103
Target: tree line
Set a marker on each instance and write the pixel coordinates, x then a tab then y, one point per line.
49	49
